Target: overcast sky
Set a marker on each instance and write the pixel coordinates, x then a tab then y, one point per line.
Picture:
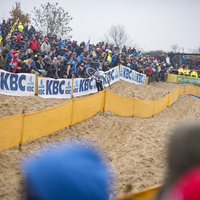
151	24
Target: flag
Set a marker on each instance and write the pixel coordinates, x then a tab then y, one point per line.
87	46
13	27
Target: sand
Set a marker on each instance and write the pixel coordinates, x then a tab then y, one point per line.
134	146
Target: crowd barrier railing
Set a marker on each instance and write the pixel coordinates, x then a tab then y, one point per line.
26	84
18	129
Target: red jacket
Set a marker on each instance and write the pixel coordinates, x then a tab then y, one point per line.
34	44
18	37
186	186
149	71
14	60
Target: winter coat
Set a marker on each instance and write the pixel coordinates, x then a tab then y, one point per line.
20	27
8	66
3	61
34	45
45	47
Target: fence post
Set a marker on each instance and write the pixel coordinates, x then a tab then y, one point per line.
72	110
119	71
133	100
21	139
153	107
72	90
36	85
104	102
168	99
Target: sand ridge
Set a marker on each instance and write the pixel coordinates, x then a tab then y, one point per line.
13	105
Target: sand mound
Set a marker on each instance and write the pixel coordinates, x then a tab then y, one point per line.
11	105
134	146
153	91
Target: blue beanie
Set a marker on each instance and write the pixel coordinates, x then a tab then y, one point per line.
73	173
10	56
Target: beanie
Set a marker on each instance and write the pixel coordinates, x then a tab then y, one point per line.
76	172
10	56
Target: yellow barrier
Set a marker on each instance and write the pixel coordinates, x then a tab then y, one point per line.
146	194
21	128
47	121
85	108
11	131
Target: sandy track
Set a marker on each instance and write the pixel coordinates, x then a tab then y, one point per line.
134	146
11	105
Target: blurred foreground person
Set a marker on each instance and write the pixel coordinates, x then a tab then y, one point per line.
76	172
183	180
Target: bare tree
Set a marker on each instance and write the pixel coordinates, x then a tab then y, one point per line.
118	36
175	48
51	18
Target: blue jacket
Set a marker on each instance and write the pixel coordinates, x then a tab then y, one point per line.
79	58
61	44
114	58
133	66
74	63
182	60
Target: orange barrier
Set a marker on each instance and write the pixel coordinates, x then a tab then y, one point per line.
21	128
146	194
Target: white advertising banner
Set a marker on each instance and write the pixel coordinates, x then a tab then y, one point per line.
126	74
17	84
83	86
113	75
54	88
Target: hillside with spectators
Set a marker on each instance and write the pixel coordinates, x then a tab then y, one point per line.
30	51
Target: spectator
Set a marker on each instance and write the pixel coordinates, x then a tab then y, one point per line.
182	181
31	31
8	66
80	49
46	46
94	62
3	56
115	60
20	27
34	45
48	67
7	46
58	175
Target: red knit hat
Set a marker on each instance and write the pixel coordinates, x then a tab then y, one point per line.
70	54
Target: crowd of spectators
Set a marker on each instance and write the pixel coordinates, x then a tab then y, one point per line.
185	60
30	51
